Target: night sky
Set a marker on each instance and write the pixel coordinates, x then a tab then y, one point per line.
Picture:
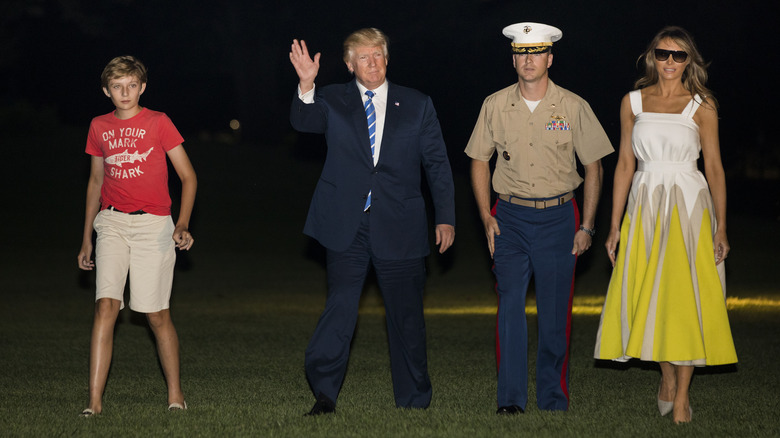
210	62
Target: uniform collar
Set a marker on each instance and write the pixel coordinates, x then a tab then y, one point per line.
515	101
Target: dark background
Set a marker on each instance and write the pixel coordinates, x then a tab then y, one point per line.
211	62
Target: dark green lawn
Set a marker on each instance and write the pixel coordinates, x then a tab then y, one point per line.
247	298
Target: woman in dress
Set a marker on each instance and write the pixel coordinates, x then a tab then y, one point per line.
666	298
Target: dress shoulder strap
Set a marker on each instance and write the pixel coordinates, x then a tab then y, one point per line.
692	106
636	101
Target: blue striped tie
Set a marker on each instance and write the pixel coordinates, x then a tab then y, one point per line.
371	120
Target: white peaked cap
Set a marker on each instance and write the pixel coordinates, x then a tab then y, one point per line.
532	35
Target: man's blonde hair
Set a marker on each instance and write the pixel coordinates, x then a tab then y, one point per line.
368	37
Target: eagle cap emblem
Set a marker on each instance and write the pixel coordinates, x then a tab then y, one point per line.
527	29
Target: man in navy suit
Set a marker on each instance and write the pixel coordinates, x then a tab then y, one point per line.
368	209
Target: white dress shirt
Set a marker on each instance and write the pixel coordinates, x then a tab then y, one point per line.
380	106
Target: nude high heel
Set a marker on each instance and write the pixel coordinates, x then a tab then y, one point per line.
664	407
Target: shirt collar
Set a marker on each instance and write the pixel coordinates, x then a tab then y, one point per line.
379	93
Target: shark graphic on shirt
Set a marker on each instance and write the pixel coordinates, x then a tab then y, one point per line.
127	157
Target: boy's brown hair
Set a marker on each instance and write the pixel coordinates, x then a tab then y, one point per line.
122	66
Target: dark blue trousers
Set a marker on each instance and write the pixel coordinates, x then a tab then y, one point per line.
401	283
534	243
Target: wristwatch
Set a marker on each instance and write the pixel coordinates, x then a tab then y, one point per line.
590	232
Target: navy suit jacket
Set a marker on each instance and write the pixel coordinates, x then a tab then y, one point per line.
411	140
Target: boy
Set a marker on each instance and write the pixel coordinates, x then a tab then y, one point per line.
129	207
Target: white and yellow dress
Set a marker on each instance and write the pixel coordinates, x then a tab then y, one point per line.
667	299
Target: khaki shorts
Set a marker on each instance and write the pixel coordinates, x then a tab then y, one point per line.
141	245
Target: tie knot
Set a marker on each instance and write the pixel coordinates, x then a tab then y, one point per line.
370	94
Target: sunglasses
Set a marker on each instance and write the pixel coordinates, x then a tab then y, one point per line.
677	55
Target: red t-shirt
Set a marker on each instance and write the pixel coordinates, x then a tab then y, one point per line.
134	151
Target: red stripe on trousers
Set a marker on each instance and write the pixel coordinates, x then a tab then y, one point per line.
564	385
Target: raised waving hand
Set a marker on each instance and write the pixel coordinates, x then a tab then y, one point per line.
306	67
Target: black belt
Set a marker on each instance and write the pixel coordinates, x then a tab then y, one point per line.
137	212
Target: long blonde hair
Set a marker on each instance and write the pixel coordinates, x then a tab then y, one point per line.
695	75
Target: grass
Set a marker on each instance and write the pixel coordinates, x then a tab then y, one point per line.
242	361
248	296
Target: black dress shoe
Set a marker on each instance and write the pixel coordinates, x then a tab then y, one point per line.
324	405
510	410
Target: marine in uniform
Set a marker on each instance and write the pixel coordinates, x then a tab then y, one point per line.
538	130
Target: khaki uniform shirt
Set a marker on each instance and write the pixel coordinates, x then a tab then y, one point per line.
536	150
